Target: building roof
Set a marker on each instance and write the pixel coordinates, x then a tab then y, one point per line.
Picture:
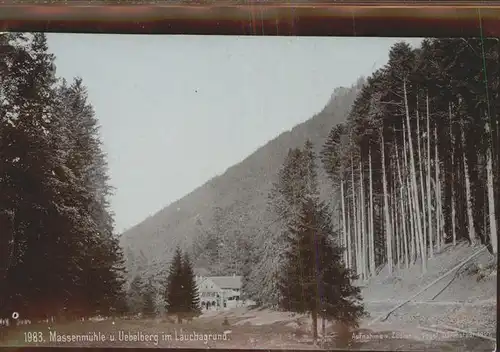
227	282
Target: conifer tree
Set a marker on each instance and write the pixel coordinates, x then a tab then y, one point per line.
135	296
103	286
174	293
32	188
314	278
191	306
65	259
148	300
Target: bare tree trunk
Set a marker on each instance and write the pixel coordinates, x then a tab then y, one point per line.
438	193
403	224
491	195
406	242
359	254
413	226
349	238
429	200
402	207
413	175
371	239
344	229
362	222
355	223
397	232
421	183
393	227
470	219
386	210
440	202
412	231
453	211
314	316
394	219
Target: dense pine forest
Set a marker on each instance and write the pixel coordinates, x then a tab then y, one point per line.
414	168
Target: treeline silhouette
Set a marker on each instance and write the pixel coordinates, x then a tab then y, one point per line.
59	256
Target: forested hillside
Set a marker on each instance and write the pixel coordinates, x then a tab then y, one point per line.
232	205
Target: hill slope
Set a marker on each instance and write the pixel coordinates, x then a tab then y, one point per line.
243	189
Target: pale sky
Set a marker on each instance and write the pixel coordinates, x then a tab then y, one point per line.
176	111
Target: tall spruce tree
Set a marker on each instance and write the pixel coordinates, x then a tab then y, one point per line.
314	278
103	286
32	153
174	292
191	306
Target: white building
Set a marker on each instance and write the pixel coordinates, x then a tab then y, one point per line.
219	292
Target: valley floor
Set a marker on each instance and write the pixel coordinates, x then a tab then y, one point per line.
468	302
278	334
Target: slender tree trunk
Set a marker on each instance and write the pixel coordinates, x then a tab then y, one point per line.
413	225
413	174
393	228
470	219
405	235
355	220
388	238
421	183
411	232
359	254
440	205
401	206
429	199
491	195
362	222
314	316
344	228
371	234
349	238
453	211
397	233
438	193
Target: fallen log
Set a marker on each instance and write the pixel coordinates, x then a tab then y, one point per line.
385	315
466	332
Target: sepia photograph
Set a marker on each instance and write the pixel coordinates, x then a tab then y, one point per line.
235	192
